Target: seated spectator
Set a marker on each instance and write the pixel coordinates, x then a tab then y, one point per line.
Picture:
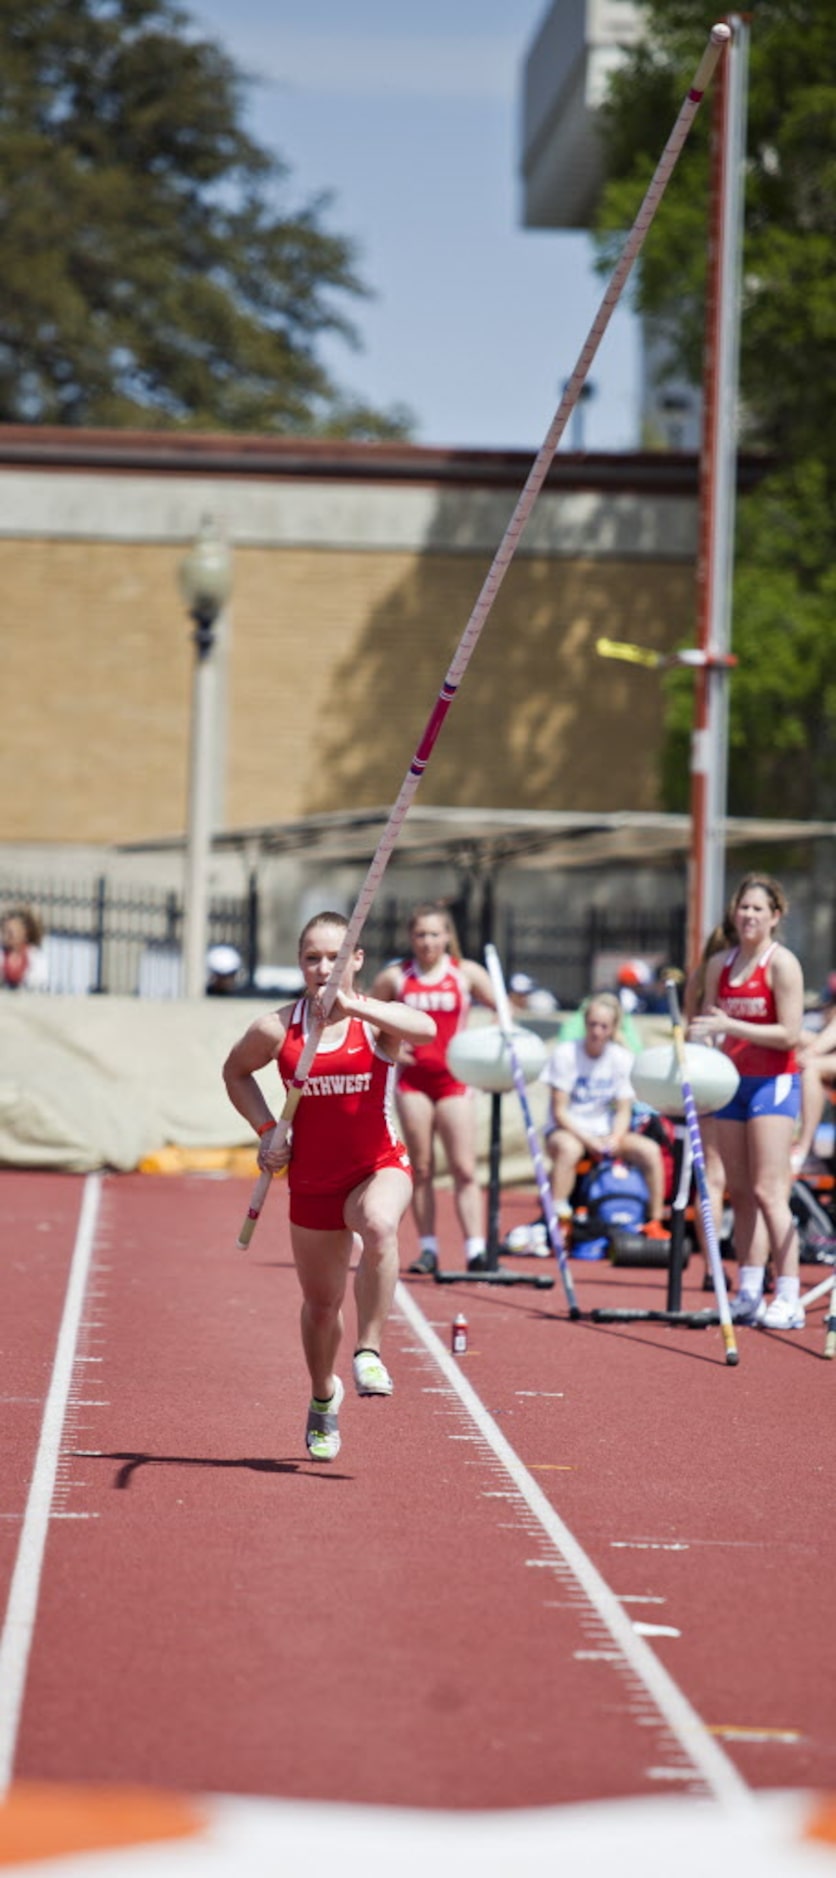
223	963
627	1033
655	995
23	964
632	980
817	1062
591	1111
529	998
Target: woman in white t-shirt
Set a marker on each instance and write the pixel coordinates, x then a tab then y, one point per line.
591	1108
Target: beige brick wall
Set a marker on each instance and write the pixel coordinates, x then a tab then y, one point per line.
355	571
335	659
96	692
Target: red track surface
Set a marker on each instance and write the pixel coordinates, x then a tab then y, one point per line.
217	1613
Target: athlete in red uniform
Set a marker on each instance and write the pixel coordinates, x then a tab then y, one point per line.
348	1171
447	998
430	1100
753	1007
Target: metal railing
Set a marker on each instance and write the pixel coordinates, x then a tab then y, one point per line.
569	957
106	937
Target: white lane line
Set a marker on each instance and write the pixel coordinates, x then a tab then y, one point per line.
21	1610
720	1776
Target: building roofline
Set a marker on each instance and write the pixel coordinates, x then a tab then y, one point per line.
219	454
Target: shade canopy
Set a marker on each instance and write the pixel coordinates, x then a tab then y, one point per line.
530	838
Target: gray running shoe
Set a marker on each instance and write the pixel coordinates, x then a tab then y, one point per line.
744	1309
426	1262
322	1434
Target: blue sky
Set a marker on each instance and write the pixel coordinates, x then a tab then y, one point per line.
407	112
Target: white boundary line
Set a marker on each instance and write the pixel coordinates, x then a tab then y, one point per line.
720	1776
21	1610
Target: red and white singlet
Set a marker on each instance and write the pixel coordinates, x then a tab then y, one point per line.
344	1127
447	998
754	1003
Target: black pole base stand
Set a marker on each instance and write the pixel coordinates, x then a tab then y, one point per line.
491	1272
674	1314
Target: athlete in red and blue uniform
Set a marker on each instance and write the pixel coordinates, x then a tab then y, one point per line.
430	1100
753	1008
349	1172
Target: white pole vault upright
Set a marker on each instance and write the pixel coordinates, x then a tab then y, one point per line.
718	38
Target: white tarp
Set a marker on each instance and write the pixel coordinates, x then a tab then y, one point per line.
104	1081
93	1082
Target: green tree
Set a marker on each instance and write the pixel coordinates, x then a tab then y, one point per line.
783	693
148	274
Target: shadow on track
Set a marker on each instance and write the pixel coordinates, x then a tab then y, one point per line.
258	1465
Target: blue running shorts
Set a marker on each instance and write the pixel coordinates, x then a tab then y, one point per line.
763	1095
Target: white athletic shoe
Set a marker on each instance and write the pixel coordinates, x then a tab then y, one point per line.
539	1247
781	1315
520	1237
529	1241
371	1377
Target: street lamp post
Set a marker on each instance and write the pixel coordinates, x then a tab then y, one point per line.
577	435
205	581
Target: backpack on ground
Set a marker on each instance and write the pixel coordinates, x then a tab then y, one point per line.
617	1200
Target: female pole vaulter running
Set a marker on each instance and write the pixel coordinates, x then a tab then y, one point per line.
348	1170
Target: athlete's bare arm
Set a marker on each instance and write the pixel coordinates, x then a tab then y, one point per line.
395	1022
259	1046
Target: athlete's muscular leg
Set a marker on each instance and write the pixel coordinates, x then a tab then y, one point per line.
456	1124
417	1119
321	1260
751	1243
375	1210
769	1140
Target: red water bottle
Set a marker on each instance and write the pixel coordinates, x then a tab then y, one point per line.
458	1335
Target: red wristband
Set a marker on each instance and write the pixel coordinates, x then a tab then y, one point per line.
266	1128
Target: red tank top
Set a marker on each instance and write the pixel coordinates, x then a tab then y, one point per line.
14	967
754	1003
446	998
343	1127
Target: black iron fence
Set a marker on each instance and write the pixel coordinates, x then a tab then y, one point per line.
569	957
573	957
102	936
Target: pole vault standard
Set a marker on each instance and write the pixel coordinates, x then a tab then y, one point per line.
718	38
673	1312
506	1026
695	1138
